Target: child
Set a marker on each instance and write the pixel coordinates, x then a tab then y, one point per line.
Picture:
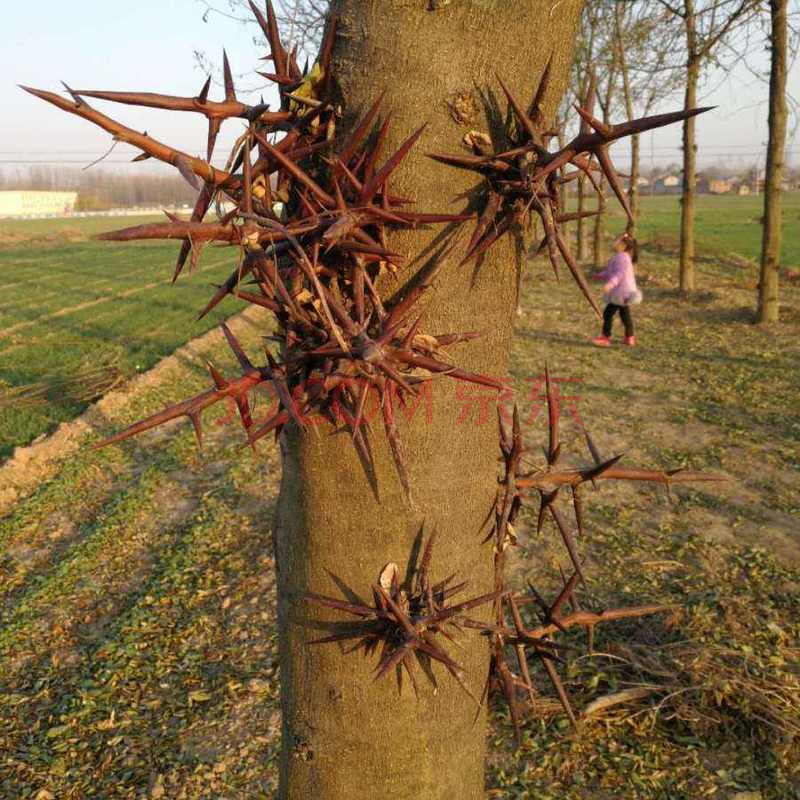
620	289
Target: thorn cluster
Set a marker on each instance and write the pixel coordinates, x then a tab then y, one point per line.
310	215
509	630
406	621
524	177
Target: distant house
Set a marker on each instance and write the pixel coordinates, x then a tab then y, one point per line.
667	184
30	203
742	188
719	186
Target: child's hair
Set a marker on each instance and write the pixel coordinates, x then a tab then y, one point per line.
631	246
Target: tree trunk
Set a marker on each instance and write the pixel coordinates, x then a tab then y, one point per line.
599	224
627	92
687	282
345	735
581	223
771	235
599	220
633	190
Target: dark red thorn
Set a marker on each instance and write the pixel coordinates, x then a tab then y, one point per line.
595	124
422	218
283	80
475	163
356	609
274	39
576	271
370	161
559	687
230	91
569	542
408	339
247	177
522	118
578	506
487	217
360	131
576	215
278	421
552	416
564	595
74	95
439	367
588	100
535	111
217	376
237	349
214	124
183	409
393	437
326	49
655	121
226	288
203	96
496	233
377	180
608	168
297	172
198	430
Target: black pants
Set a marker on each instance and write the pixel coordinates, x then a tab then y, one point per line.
608	318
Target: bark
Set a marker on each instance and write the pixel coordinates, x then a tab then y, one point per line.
687	281
345	735
686	265
599	225
771	236
600	219
581	222
627	93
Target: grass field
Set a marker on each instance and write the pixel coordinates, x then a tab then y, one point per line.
77	316
137	640
725	226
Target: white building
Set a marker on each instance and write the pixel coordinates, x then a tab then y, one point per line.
36	204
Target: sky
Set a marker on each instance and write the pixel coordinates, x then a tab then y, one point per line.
150	46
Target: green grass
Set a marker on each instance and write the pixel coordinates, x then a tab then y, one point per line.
724	226
69	304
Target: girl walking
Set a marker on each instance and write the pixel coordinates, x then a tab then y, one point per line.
620	290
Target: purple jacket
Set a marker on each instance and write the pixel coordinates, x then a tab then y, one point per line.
620	287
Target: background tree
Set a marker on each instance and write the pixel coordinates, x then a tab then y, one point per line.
648	49
707	25
768	306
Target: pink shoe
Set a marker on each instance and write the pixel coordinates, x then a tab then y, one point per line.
601	341
630	341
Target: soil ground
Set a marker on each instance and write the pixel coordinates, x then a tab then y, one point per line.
137	644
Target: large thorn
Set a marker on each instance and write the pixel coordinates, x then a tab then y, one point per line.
162	152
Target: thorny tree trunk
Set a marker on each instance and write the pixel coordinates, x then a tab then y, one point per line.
345	735
687	283
771	236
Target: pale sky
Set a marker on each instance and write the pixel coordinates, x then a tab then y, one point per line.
149	46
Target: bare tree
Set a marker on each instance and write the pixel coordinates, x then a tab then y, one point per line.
648	53
301	22
768	307
707	24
